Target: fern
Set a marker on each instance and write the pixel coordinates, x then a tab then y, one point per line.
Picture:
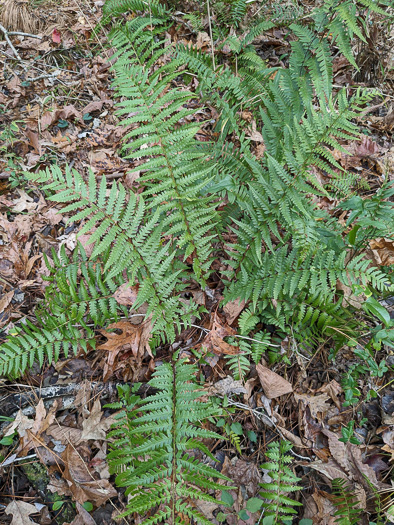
345	501
153	446
283	482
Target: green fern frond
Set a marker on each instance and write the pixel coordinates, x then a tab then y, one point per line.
345	501
153	449
283	482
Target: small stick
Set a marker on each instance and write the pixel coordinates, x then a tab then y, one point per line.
5	32
24	34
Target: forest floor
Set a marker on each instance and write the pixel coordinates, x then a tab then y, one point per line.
57	107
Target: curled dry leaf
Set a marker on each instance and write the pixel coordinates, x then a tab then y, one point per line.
5	300
214	340
318	405
273	384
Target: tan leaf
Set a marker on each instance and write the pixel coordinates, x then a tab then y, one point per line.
93	427
5	300
126	294
319	508
333	389
64	434
318	405
383	251
233	309
273	384
214	340
21	511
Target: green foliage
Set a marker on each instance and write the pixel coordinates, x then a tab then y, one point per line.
277	503
345	501
152	451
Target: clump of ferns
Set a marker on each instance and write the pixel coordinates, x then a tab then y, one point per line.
153	447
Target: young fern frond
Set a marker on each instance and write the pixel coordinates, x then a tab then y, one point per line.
283	482
345	501
152	452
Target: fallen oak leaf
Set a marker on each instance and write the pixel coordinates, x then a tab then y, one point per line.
21	511
133	338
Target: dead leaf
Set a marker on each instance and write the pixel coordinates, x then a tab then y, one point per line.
93	427
319	509
333	389
349	297
5	300
68	112
133	339
126	294
80	480
214	340
233	309
203	40
273	384
56	36
318	405
227	386
383	251
21	511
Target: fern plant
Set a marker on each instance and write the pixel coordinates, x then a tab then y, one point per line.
277	504
153	452
345	501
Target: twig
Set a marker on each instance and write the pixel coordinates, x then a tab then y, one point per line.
6	33
45	75
266	420
24	34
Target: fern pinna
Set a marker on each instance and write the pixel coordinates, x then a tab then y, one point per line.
152	451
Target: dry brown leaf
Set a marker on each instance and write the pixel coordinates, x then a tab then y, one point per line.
126	294
297	441
214	340
5	300
133	339
64	434
93	427
233	309
383	251
50	117
83	517
318	405
319	509
80	480
203	40
273	384
21	511
349	297
333	389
